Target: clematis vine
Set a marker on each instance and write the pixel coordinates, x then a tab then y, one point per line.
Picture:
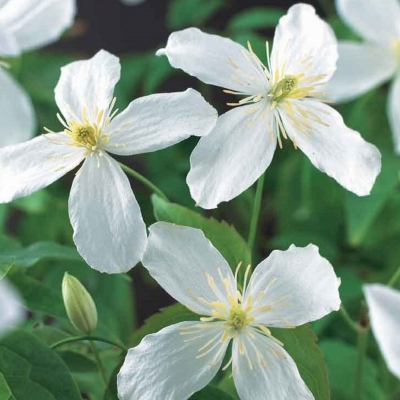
109	231
384	305
11	309
281	99
364	66
288	289
26	25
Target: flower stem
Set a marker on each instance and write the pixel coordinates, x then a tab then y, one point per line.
81	338
361	353
353	325
144	180
394	278
256	212
98	361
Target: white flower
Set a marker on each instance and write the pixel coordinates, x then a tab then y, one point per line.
384	312
11	309
109	231
26	25
283	99
364	66
287	289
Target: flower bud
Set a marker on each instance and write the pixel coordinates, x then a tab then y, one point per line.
79	304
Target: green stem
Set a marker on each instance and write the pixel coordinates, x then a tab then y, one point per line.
144	180
98	361
327	7
346	316
361	353
256	212
394	278
91	338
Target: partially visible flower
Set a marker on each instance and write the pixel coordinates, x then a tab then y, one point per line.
288	289
79	304
282	100
26	25
384	312
109	231
364	66
11	309
132	2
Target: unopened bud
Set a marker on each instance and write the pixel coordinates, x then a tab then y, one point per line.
79	304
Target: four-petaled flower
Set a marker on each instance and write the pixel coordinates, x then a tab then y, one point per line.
109	231
282	99
384	311
26	25
287	289
364	66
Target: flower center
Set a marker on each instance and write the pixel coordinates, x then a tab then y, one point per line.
238	318
85	135
283	89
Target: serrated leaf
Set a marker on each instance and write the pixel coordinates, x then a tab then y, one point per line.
256	18
300	343
183	13
30	370
223	236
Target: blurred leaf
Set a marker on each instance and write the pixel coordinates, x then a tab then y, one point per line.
37	202
223	236
183	13
167	316
211	393
341	359
30	370
361	211
300	343
112	389
258	43
158	71
256	18
49	334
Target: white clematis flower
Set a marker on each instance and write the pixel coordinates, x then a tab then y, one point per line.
384	311
26	25
288	289
109	231
11	309
283	99
364	66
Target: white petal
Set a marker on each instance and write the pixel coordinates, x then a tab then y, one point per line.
304	44
332	147
179	258
11	309
158	121
17	114
8	45
215	60
232	157
87	85
384	305
36	23
279	378
109	231
166	365
132	2
299	285
394	112
375	21
33	165
361	67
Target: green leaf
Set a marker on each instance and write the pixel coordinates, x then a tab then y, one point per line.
223	236
256	18
211	393
300	343
183	13
167	316
30	370
341	359
362	211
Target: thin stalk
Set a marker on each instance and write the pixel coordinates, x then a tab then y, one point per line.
394	278
81	338
100	365
346	316
144	180
361	353
256	212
